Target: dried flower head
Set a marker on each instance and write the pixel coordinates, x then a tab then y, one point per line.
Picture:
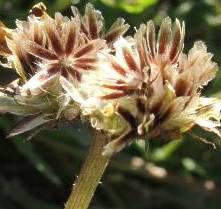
150	88
47	54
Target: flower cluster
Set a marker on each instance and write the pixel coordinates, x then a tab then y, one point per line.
142	86
150	89
46	53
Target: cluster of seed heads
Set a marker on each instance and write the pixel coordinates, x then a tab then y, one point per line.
126	86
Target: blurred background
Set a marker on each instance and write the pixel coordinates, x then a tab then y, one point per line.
181	174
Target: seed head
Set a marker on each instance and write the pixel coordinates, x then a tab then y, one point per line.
153	88
47	54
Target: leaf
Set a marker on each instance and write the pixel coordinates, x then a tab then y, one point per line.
28	124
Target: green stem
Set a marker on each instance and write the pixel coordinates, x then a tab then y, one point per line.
90	175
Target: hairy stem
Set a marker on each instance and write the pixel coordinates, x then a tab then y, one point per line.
90	174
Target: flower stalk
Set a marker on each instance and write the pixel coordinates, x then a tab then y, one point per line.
90	174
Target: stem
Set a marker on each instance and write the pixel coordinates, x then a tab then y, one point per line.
90	174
